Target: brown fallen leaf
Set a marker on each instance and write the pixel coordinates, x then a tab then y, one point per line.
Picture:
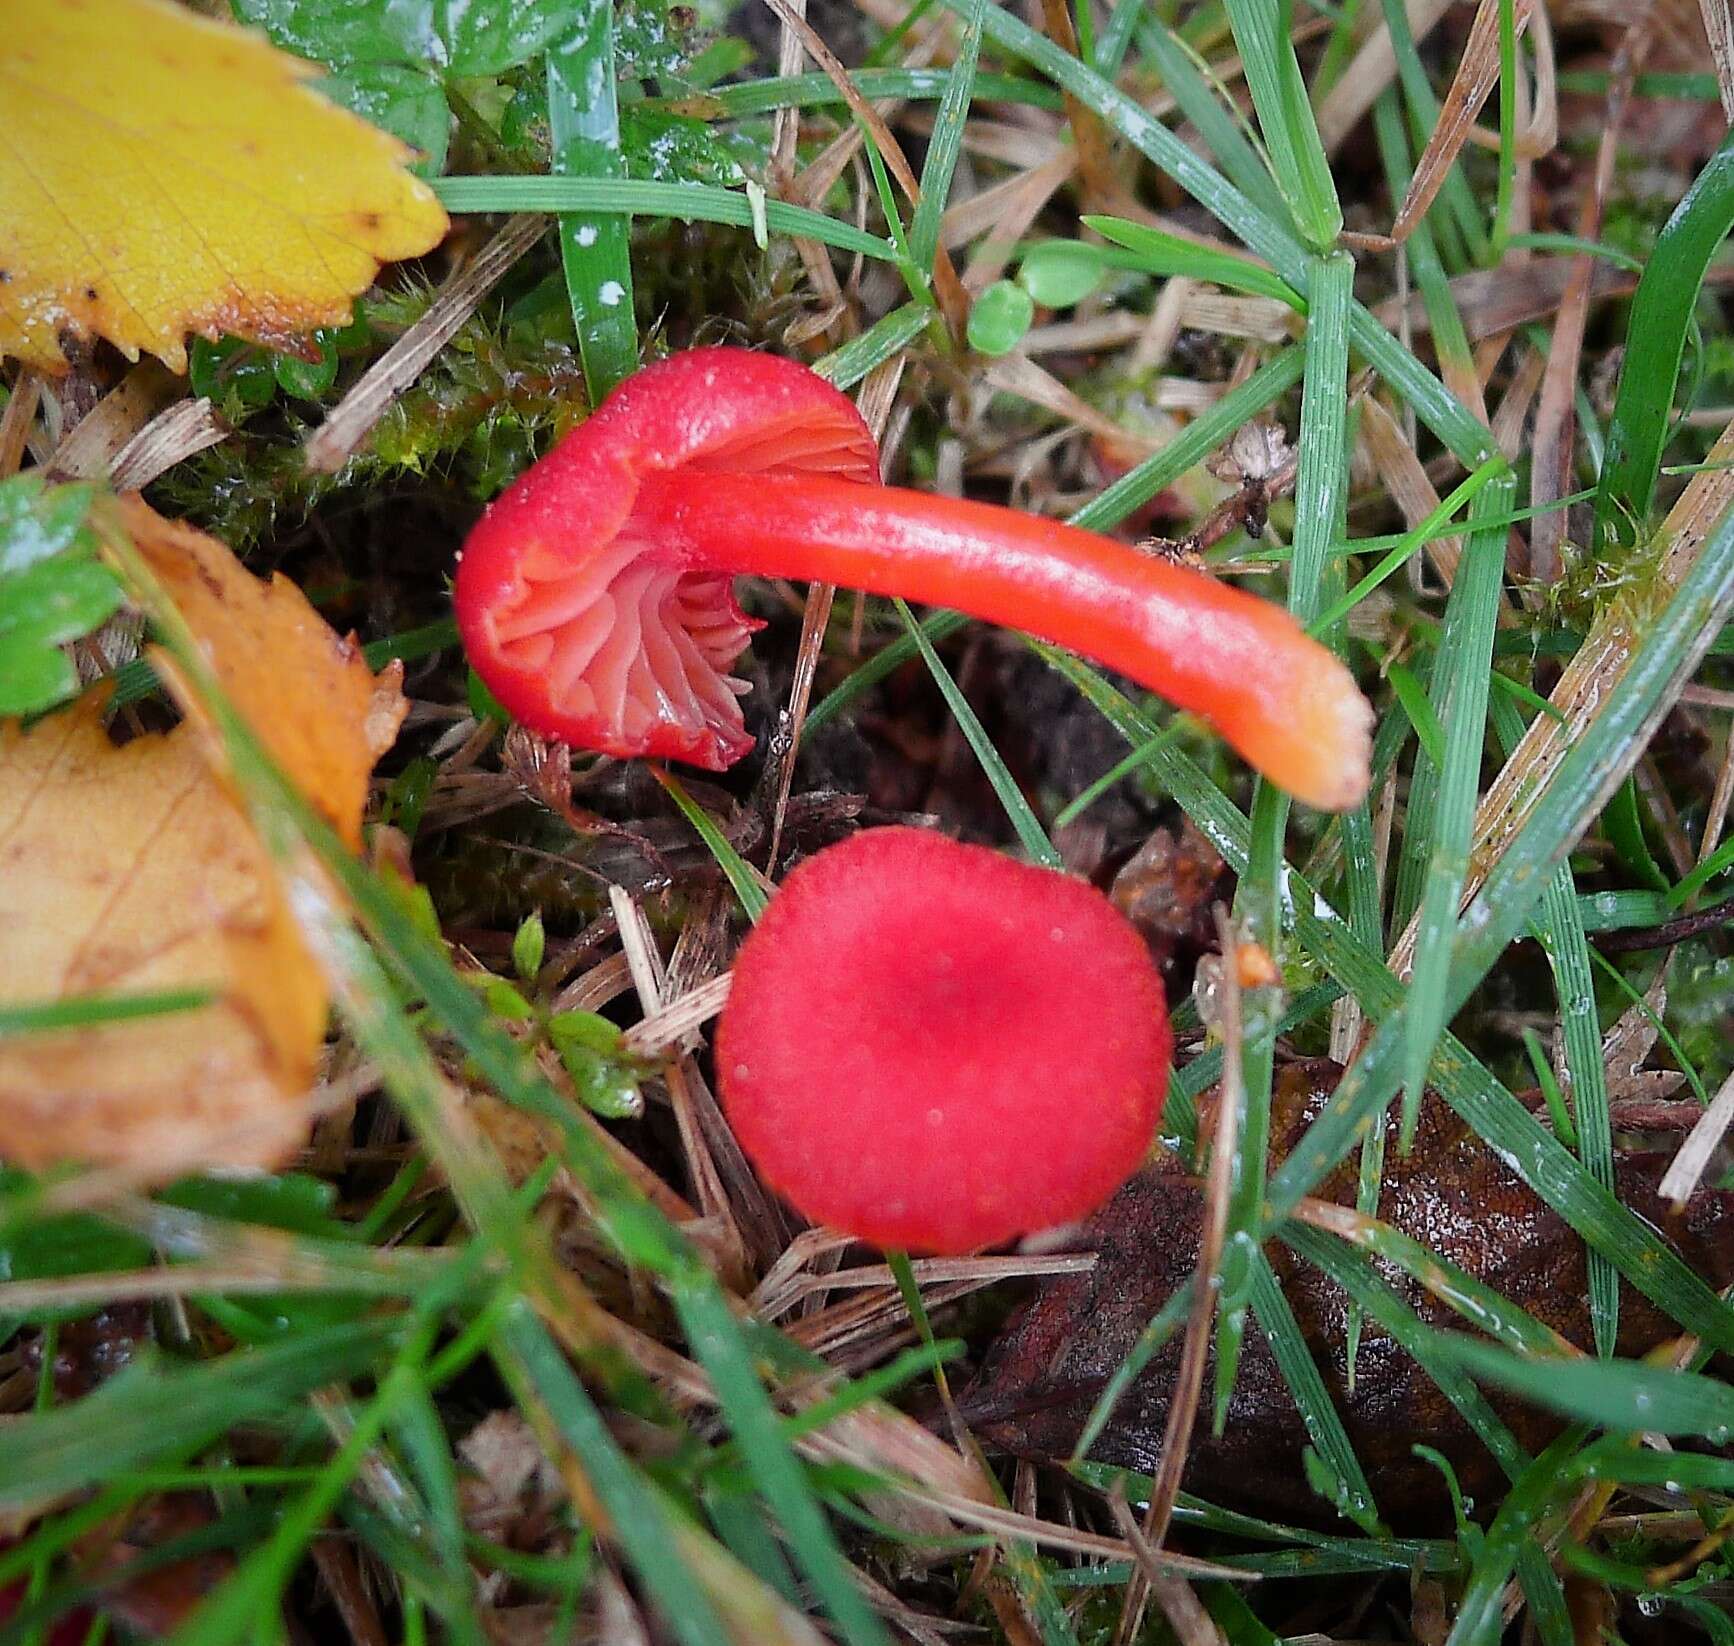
1043	1374
122	1560
306	691
132	868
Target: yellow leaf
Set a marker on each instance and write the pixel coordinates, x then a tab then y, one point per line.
163	173
132	868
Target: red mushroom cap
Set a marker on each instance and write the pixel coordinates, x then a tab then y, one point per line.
931	1046
591	632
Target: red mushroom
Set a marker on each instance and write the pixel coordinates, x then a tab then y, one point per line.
931	1046
595	596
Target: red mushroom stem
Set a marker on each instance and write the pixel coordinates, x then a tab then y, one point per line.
595	595
1283	701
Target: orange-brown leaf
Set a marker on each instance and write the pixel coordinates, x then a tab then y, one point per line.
132	868
307	693
162	173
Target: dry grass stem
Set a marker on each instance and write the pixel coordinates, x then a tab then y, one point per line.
337	439
1476	74
186	427
1370	71
1553	442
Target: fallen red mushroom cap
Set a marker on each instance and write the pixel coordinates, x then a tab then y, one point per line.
595	595
933	1047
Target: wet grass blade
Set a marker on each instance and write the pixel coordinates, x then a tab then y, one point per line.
595	247
1559	924
1625	1396
1011	797
1218	123
1655	338
946	143
684	202
1321	485
1288	1346
1647	1262
1285	116
1194	443
1374	1295
1459	697
1669	649
1546	1482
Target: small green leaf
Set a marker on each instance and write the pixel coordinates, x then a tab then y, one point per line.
408	102
307	379
505	1001
1000	317
1059	273
602	1074
483	704
529	944
459	37
52	590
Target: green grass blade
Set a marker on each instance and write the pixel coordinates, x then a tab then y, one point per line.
1559	924
1011	797
1662	311
1194	443
946	143
747	887
717	1343
1167	254
1450	341
1508	1323
1460	213
1545	1483
1433	403
1371	1293
810	91
1324	1426
1625	1396
1409	543
845	367
1646	1261
677	1570
1580	786
86	1011
684	202
153	1413
1459	696
1321	485
541	1378
594	247
1218	122
1285	116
